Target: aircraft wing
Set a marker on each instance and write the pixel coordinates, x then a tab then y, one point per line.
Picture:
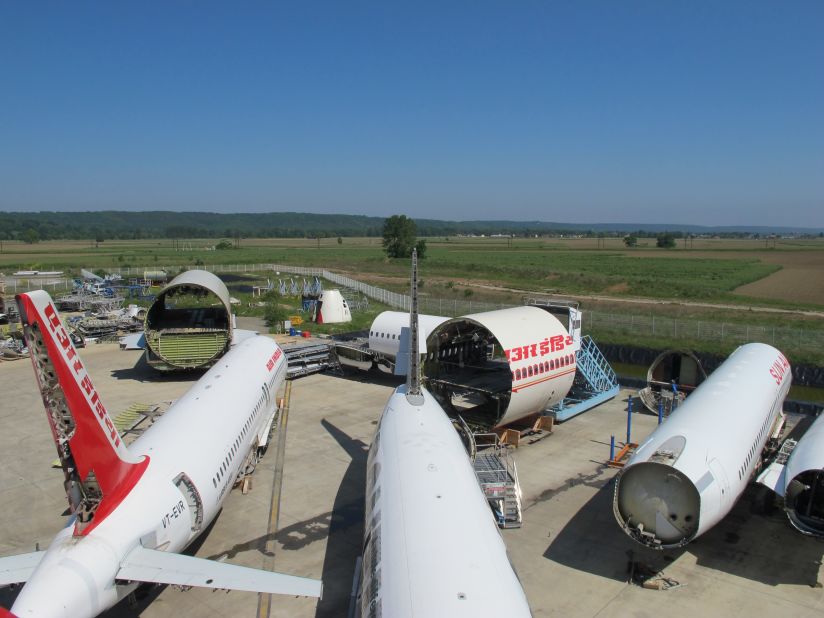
774	477
17	569
159	567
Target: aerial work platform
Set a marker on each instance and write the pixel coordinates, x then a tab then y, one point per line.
497	475
595	382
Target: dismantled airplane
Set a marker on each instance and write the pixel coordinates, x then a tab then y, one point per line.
431	545
133	509
691	470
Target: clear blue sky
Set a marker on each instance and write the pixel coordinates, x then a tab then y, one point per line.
660	111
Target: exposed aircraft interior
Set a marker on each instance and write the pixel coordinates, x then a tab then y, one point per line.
466	370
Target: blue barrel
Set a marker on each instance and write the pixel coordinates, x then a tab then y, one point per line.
292	332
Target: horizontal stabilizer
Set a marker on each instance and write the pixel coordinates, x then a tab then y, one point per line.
17	569
159	567
774	477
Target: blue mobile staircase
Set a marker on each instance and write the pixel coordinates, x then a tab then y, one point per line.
595	382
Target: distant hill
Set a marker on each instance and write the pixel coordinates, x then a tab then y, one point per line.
163	224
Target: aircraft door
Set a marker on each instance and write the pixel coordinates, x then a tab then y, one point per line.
575	327
193	500
720	478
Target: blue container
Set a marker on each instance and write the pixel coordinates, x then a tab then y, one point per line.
292	332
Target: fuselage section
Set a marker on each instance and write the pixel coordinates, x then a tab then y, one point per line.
688	474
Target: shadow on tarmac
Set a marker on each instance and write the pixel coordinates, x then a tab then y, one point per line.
345	528
143	372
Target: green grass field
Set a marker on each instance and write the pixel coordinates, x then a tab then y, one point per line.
504	271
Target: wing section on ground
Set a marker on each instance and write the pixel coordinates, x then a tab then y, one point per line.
774	477
150	565
17	569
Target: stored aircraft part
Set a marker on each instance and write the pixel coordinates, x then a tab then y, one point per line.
189	326
672	376
387	328
689	473
311	358
332	308
498	367
797	474
352	355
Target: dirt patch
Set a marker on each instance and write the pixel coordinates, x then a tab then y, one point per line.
796	284
801	278
618	288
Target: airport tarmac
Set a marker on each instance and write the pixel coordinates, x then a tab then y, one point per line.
570	554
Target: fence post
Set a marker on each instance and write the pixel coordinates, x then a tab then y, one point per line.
629	420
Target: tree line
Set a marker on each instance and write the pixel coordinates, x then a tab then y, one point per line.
127	225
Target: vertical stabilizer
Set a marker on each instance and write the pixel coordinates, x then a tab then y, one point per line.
413	378
99	470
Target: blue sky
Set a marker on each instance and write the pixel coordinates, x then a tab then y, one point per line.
662	112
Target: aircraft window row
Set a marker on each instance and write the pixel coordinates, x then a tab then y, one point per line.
765	426
235	448
376	335
539	368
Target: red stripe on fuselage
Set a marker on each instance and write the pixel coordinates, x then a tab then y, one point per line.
542	380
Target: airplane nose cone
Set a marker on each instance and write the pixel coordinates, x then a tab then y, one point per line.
657	505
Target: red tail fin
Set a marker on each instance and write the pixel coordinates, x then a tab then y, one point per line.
98	467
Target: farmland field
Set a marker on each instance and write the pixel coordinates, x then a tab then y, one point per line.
738	281
729	271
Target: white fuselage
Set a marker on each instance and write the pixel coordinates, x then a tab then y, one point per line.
431	545
196	451
385	332
688	474
803	481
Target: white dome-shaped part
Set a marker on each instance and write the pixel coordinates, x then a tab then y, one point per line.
333	308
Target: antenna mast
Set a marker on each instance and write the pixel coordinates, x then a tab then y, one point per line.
413	378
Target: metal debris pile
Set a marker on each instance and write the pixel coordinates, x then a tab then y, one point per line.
648	577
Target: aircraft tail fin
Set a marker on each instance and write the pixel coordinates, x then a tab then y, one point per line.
99	470
413	376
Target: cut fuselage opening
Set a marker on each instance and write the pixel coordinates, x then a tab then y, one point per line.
805	502
657	505
465	368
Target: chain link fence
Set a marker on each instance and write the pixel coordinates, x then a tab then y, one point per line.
680	329
660	327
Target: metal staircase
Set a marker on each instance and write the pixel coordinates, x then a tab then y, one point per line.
498	478
595	382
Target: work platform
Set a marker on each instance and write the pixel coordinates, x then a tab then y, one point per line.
312	357
595	382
